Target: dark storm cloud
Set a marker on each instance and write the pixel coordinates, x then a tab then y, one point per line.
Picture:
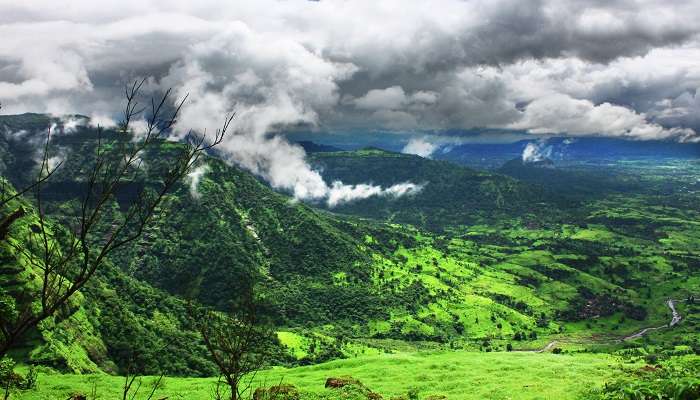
619	68
595	31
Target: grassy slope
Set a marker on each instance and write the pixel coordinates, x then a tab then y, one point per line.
459	375
61	341
642	246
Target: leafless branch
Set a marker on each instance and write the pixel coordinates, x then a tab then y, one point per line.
238	343
66	266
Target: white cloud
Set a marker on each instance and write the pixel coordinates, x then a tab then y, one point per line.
340	193
424	97
104	121
420	147
403	189
390	98
556	114
534	152
618	68
55	161
195	177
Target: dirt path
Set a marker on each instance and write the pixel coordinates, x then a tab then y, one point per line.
547	347
675	319
676	316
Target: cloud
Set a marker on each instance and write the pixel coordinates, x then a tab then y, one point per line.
557	114
83	52
194	177
536	151
55	161
340	193
619	68
390	98
420	147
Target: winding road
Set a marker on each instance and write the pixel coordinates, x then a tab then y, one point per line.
675	319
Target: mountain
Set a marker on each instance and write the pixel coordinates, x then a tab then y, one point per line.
464	147
613	148
451	195
584	149
312	147
114	317
502	264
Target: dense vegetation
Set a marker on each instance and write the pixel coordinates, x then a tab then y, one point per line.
451	195
476	261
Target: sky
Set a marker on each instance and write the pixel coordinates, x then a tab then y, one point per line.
618	68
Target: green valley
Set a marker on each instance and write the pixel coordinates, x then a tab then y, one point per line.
480	285
349	200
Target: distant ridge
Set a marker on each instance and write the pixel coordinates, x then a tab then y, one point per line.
312	147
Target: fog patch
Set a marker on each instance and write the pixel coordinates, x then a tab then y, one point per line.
195	177
340	193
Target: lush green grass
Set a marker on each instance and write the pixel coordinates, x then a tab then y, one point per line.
458	375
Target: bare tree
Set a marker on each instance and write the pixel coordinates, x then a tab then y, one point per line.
66	265
239	343
130	391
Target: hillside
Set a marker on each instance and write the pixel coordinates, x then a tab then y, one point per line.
340	286
104	326
575	183
451	196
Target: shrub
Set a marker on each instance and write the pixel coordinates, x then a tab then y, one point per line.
651	358
412	393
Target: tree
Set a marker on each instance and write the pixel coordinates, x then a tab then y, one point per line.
66	262
239	343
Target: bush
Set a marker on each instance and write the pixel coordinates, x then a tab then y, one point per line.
9	378
651	358
412	393
31	379
674	380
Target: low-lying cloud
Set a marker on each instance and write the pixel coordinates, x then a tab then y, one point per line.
420	147
195	177
536	152
340	193
561	114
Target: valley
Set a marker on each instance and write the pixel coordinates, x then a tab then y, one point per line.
553	282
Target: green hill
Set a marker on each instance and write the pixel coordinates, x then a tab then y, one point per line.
452	195
573	183
103	326
509	269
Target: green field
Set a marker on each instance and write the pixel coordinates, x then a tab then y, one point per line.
459	375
